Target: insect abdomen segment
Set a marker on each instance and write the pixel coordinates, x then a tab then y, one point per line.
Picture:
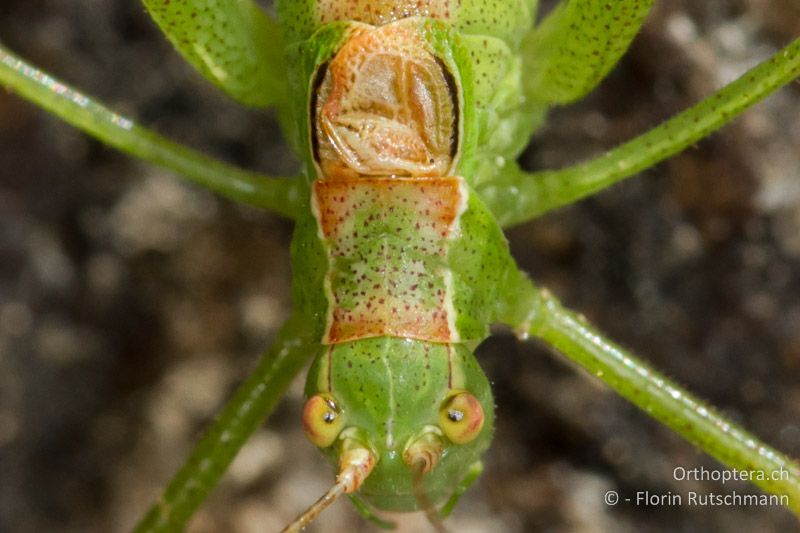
387	242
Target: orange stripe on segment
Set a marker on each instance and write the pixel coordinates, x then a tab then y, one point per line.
379	12
387	241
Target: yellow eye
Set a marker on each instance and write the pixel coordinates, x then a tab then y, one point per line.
461	417
322	420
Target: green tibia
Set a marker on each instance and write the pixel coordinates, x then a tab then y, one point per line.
233	44
517	196
472	476
567	55
250	405
537	313
280	195
390	389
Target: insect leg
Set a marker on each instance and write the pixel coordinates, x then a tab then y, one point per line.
278	195
518	196
235	45
251	404
472	476
574	48
538	313
363	509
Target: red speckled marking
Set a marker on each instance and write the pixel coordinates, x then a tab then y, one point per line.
379	12
387	243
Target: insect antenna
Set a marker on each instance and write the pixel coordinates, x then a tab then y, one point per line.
312	512
355	464
419	469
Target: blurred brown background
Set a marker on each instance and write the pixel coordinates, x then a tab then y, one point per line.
132	304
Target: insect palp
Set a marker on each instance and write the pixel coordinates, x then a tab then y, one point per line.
356	461
355	464
424	450
422	456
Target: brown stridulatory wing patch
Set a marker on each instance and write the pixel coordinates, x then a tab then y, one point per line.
385	107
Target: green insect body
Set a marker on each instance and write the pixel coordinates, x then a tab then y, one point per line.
408	116
398	260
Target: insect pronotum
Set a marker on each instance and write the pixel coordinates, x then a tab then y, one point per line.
320	43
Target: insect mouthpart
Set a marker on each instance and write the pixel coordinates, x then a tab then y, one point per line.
424	451
356	462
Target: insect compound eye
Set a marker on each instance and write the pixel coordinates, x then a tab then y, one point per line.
323	420
461	417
